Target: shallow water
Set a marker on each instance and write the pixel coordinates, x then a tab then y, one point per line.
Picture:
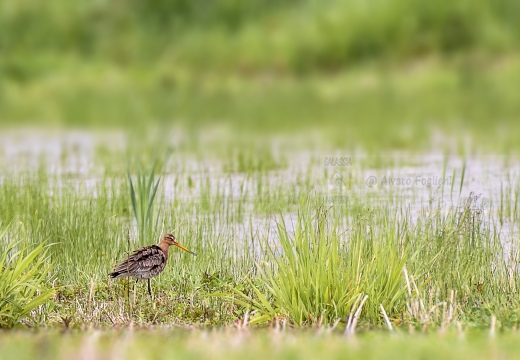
419	182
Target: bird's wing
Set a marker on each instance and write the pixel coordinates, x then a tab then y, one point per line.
142	261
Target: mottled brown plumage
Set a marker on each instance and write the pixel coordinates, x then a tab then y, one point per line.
148	261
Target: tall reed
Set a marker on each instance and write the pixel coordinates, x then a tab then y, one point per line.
143	193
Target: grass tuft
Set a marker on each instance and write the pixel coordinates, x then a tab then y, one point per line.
23	277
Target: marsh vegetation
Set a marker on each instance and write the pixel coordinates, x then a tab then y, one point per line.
343	171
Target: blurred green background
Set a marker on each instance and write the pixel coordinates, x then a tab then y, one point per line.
384	73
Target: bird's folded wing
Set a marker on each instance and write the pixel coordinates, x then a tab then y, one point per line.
143	260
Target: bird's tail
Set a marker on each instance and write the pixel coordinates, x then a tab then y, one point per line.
115	274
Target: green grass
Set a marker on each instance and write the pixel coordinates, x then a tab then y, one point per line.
142	195
295	255
283	242
287	36
357	76
237	344
316	276
23	277
229	114
332	247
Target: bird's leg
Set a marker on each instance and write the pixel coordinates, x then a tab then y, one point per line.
133	287
149	287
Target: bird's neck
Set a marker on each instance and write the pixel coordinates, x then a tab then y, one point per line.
164	247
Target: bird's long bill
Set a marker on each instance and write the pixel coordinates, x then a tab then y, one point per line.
183	248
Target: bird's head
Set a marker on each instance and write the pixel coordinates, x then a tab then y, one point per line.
170	240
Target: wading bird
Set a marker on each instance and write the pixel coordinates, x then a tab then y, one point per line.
148	261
